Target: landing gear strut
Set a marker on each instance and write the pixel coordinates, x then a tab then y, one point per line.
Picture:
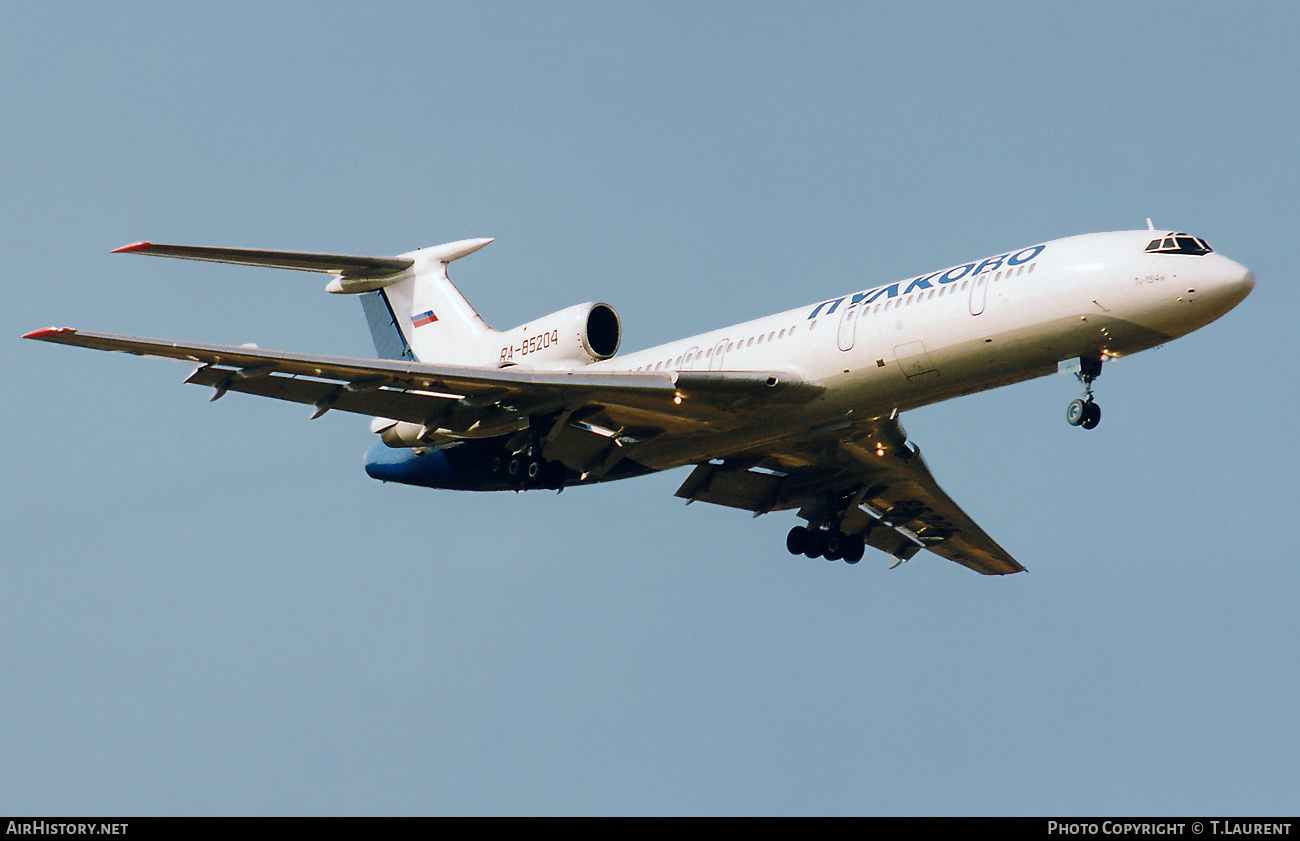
1085	412
521	463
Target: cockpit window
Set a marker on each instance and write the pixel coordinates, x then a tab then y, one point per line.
1179	243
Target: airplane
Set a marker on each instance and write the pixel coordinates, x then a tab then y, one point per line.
794	411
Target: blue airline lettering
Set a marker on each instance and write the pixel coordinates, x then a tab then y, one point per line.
834	302
919	283
990	264
868	296
1016	259
949	277
892	289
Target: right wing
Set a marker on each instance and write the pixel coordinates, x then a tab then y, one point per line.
868	478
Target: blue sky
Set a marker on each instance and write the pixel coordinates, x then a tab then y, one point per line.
208	608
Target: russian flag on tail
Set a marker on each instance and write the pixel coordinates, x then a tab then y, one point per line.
423	318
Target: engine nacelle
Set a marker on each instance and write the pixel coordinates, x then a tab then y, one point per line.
581	334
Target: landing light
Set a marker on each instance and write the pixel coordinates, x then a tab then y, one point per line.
677	399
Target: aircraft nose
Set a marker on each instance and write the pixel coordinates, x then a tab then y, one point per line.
1227	286
1246	282
1239	283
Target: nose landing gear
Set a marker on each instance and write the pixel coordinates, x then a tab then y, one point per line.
1085	412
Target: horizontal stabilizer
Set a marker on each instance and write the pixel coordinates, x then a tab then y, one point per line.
344	265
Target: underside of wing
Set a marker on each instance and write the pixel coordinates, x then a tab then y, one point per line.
865	480
626	408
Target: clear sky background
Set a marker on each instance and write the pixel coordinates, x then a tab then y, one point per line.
208	608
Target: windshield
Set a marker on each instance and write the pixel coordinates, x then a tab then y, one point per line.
1179	243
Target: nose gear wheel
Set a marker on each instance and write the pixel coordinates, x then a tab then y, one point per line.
1085	412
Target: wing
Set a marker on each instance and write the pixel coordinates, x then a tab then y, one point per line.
865	476
599	416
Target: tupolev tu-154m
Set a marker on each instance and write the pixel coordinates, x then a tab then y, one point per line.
795	411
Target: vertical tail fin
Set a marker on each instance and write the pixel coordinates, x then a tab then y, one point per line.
423	316
390	343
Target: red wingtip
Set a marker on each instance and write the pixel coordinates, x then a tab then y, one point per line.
135	246
47	331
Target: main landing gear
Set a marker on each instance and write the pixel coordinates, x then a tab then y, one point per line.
527	470
1085	412
831	544
519	462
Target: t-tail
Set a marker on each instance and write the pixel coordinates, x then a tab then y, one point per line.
413	309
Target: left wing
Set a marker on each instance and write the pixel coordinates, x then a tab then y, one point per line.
464	401
867	478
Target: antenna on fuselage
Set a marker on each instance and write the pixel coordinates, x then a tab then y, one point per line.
1150	227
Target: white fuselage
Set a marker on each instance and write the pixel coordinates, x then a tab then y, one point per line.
972	327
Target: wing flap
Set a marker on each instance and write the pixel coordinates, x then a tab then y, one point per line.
905	495
748	490
415	407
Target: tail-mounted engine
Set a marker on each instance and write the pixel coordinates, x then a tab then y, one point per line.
581	334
